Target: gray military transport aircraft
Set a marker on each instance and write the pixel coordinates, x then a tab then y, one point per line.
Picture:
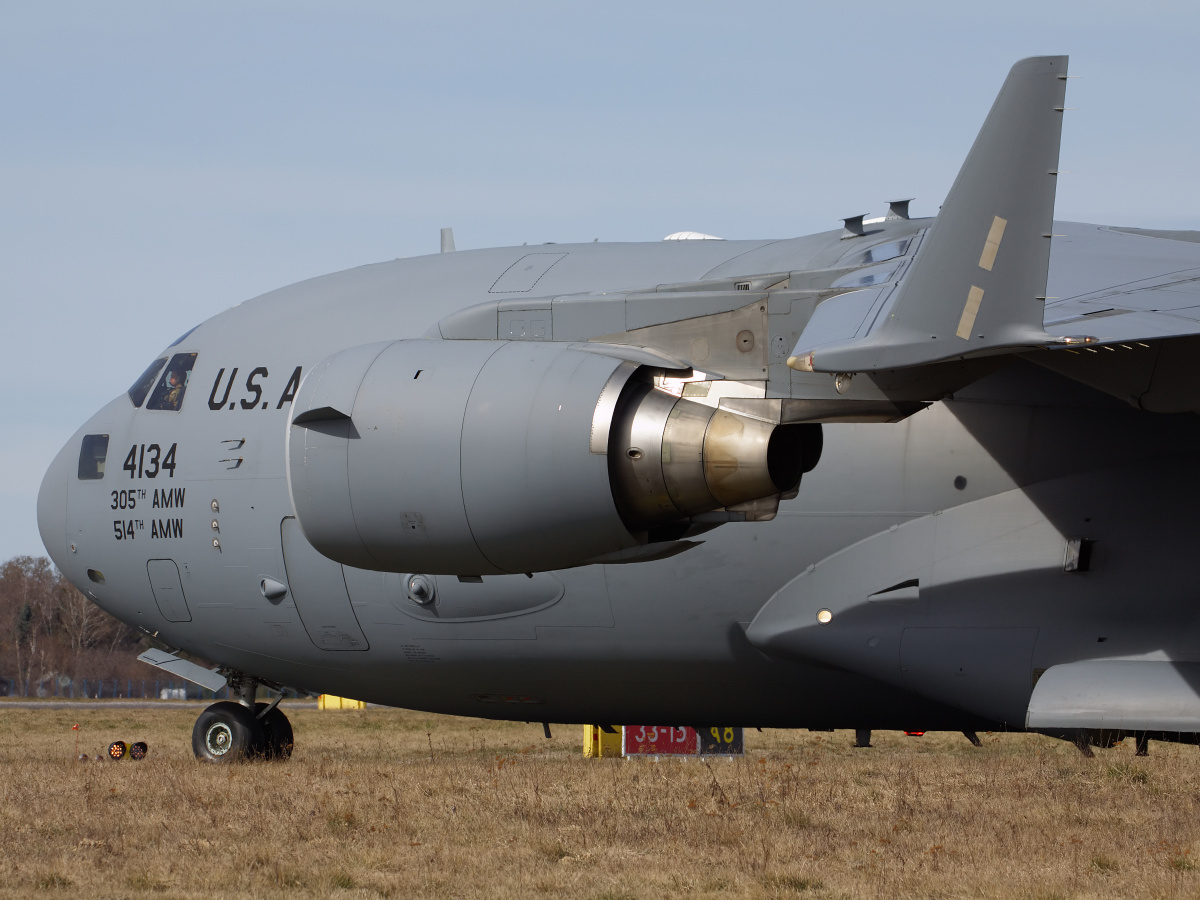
910	474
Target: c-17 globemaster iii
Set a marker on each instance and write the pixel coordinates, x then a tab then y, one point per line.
908	474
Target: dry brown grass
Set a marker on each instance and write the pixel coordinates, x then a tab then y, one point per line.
365	809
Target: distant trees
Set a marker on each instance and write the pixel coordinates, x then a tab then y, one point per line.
48	629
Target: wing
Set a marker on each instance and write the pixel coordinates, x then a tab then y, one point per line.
1136	294
1115	308
910	311
1124	284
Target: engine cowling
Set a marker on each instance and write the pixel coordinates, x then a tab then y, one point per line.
492	457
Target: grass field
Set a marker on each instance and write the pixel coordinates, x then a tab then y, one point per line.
398	804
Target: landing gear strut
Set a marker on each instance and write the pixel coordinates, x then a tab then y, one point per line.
232	731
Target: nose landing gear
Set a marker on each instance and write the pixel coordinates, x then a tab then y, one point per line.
230	731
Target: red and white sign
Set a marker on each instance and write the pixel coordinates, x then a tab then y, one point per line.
659	740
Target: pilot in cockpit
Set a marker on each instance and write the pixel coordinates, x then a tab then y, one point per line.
171	387
175	386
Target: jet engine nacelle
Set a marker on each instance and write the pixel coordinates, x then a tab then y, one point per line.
491	457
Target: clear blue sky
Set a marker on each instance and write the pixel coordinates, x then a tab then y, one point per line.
160	162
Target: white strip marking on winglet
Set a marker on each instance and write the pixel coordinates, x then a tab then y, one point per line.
970	310
992	245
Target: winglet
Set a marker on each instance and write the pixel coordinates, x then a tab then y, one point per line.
976	284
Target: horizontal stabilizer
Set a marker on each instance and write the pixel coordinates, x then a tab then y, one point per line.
978	281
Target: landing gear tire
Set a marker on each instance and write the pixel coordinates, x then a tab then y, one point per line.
278	731
227	732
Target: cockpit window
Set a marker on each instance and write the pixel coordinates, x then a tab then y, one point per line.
173	385
142	386
92	454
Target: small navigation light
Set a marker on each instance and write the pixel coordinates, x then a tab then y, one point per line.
824	616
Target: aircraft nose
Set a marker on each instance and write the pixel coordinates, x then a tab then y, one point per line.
52	506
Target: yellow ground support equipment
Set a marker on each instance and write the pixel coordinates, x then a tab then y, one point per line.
597	743
328	701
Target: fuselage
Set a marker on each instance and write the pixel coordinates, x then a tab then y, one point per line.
202	491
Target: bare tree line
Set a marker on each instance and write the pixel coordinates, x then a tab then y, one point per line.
49	629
